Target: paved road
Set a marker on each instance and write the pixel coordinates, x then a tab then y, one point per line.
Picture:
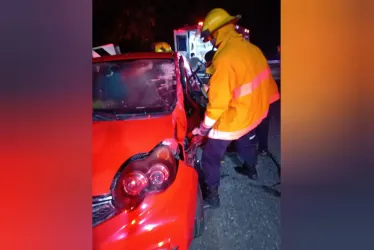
249	217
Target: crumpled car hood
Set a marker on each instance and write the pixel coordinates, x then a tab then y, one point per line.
113	142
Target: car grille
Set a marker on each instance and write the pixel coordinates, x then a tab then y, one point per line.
102	209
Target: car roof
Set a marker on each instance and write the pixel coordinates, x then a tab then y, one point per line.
137	55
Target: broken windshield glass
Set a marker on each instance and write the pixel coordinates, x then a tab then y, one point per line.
132	85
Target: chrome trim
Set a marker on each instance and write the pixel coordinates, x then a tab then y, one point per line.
102	209
101	198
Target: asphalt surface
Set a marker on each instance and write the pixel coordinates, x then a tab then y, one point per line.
249	216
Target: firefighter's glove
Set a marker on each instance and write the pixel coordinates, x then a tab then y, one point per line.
202	130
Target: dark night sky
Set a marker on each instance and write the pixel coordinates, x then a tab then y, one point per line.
262	17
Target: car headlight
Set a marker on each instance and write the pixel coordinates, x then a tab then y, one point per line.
145	174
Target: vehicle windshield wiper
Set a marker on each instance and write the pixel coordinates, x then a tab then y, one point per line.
105	116
114	114
128	113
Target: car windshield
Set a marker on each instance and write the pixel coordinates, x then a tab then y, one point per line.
141	86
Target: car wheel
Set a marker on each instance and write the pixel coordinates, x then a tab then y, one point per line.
199	224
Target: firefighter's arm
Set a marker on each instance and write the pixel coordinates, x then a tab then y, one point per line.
220	93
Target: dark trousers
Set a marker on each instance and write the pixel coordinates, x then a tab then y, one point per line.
215	149
262	132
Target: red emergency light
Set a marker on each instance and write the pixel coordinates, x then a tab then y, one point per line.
200	23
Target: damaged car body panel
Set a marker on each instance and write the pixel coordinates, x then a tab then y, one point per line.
145	191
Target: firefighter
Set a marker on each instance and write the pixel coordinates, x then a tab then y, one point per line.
238	100
262	130
162	47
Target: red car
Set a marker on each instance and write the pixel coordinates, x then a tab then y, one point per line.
145	191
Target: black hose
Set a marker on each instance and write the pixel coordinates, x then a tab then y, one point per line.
270	189
276	163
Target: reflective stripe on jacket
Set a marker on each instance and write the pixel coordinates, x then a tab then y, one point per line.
240	87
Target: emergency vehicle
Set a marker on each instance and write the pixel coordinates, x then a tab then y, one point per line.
187	40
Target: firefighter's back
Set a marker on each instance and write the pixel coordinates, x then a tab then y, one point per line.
251	86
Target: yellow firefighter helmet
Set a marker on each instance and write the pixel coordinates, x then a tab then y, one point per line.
215	19
162	47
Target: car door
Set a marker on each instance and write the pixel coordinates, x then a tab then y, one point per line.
194	111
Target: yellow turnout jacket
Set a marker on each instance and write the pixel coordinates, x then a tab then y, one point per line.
241	87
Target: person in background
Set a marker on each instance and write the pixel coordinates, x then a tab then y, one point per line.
194	62
263	129
238	100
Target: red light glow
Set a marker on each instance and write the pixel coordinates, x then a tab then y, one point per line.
134	183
